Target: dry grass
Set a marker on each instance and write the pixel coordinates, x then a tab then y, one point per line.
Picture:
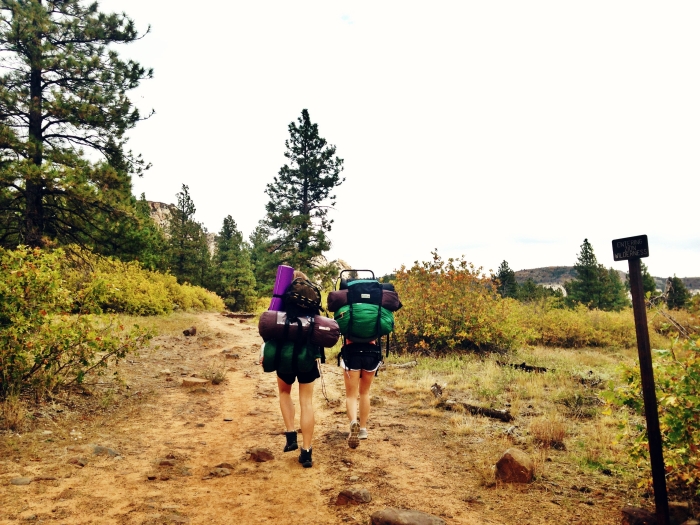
216	370
12	413
549	432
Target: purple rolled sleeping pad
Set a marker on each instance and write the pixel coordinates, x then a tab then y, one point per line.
285	275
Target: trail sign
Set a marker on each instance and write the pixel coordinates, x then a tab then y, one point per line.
630	248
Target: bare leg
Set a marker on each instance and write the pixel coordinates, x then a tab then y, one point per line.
286	404
352	388
306	392
365	384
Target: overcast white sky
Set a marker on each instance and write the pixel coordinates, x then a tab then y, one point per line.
494	130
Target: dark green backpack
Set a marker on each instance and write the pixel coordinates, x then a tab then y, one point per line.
292	357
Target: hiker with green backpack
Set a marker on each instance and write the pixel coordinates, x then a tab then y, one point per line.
294	341
364	311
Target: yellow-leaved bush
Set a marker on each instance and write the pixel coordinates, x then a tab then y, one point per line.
451	305
110	285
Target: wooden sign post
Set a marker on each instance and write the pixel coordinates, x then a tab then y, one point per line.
632	249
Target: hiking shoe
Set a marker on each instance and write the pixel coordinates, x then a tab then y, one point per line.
291	441
362	434
305	458
354	437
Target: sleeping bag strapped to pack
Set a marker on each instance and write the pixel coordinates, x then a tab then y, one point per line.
363	319
319	330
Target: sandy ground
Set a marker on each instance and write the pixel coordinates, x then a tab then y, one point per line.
177	436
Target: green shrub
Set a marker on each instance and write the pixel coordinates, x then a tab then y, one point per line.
677	381
41	345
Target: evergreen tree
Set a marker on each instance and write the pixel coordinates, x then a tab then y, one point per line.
63	90
613	293
677	295
507	285
648	282
585	288
188	250
264	259
300	197
594	285
235	281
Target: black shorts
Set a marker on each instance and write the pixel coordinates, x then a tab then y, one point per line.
367	361
304	378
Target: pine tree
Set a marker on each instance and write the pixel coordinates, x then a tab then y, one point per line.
235	281
263	259
594	285
301	195
188	250
507	285
648	282
63	90
677	295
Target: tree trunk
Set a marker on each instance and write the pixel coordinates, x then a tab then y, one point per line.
34	183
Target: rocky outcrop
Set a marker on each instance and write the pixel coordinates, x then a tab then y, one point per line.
161	213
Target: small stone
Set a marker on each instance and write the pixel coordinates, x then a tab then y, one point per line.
47	432
515	466
353	496
200	425
261	455
376	401
396	516
79	461
353	479
151	476
225	465
228	419
21	481
165	372
104	451
194	381
166	462
220	472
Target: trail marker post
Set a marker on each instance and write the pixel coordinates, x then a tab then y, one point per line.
632	249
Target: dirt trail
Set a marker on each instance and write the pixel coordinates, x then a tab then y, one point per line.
406	463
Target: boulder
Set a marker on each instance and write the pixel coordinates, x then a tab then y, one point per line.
637	516
515	466
391	516
353	496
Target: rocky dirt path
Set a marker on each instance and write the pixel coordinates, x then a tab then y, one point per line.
181	455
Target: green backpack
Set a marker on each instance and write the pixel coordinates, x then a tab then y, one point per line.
282	357
292	357
362	322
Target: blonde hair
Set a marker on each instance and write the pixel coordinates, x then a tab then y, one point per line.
299	275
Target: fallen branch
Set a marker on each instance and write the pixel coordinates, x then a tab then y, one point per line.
238	315
502	415
410	364
526	368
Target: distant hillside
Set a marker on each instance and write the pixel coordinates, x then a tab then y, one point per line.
558	275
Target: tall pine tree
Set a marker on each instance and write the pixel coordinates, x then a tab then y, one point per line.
188	250
63	89
301	195
677	295
235	281
594	285
507	285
